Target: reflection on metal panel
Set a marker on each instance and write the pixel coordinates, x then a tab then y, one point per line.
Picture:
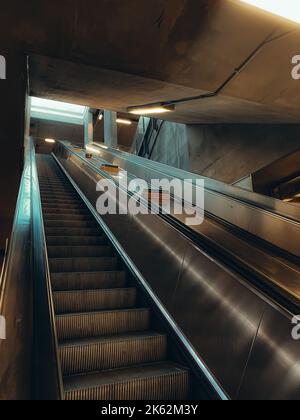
241	336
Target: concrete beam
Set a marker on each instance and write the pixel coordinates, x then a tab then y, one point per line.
110	129
88	127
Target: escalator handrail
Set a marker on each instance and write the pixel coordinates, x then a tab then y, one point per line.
275	294
54	389
235	193
12	242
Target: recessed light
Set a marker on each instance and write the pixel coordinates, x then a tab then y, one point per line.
124	121
151	109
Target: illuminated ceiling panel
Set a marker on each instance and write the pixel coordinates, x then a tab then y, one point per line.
57	111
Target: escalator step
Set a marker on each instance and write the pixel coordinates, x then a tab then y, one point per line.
63	207
59	192
61	201
93	300
72	231
63	265
55	216
159	381
95	354
76	240
70	223
82	281
79	251
61	210
94	324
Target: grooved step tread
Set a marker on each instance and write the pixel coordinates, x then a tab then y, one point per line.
82	281
60	251
70	223
76	240
61	265
157	381
59	211
95	354
72	231
102	323
67	216
93	300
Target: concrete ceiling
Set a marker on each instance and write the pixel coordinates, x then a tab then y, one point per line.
114	54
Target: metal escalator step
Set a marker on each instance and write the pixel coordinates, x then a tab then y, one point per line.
76	240
63	207
54	216
70	223
56	188
53	182
61	201
60	193
62	211
72	231
159	381
103	323
79	251
59	197
63	265
74	301
83	281
95	354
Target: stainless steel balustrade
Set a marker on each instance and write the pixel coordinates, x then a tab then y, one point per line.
279	276
240	337
271	220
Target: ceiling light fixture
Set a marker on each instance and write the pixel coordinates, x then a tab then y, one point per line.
151	109
289	9
49	140
124	121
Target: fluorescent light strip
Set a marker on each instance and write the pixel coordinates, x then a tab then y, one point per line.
62	114
151	109
289	9
124	121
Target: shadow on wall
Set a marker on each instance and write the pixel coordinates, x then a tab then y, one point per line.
225	152
172	146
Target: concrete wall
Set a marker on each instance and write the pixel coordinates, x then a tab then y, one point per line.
172	146
225	152
12	125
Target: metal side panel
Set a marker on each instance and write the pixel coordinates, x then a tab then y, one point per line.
267	218
273	370
218	313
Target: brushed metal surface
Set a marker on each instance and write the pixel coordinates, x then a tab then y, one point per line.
273	370
270	219
225	320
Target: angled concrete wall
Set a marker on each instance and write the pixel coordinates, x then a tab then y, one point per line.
225	152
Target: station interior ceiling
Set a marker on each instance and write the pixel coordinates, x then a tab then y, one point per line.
160	51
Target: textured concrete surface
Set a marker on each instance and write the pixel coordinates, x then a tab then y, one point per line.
172	146
158	50
227	153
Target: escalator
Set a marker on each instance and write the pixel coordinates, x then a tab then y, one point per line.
134	307
109	346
